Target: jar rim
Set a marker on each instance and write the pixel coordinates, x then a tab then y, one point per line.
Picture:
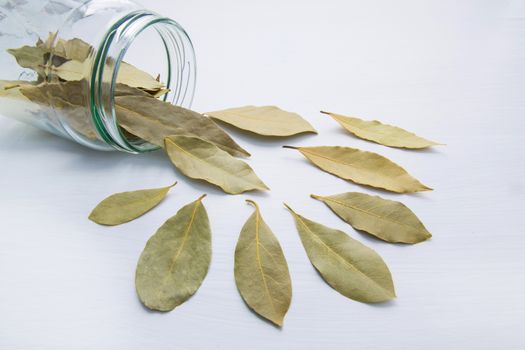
181	79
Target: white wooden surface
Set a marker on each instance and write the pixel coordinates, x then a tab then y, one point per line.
453	71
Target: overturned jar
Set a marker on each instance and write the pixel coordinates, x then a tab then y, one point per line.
71	66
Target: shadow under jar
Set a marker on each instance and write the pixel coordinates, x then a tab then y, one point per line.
62	62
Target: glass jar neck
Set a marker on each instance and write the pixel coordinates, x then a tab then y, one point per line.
180	79
61	60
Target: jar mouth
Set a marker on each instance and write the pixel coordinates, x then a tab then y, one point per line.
180	77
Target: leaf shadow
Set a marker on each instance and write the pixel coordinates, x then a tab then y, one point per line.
383	305
156	312
148	310
383	191
428	150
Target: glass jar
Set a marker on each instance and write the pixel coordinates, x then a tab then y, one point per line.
107	35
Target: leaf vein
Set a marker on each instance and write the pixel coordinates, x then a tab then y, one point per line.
343	259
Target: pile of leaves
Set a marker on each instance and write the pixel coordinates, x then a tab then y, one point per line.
176	258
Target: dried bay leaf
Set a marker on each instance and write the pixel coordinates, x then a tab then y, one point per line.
193	123
70	63
152	130
66	98
147	129
266	121
72	70
384	134
132	76
71	92
76	51
126	206
69	49
30	57
125	90
77	117
347	265
127	74
69	98
261	271
37	57
73	49
156	93
11	89
362	167
388	220
48	44
200	159
175	260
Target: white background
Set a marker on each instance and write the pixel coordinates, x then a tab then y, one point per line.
452	71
